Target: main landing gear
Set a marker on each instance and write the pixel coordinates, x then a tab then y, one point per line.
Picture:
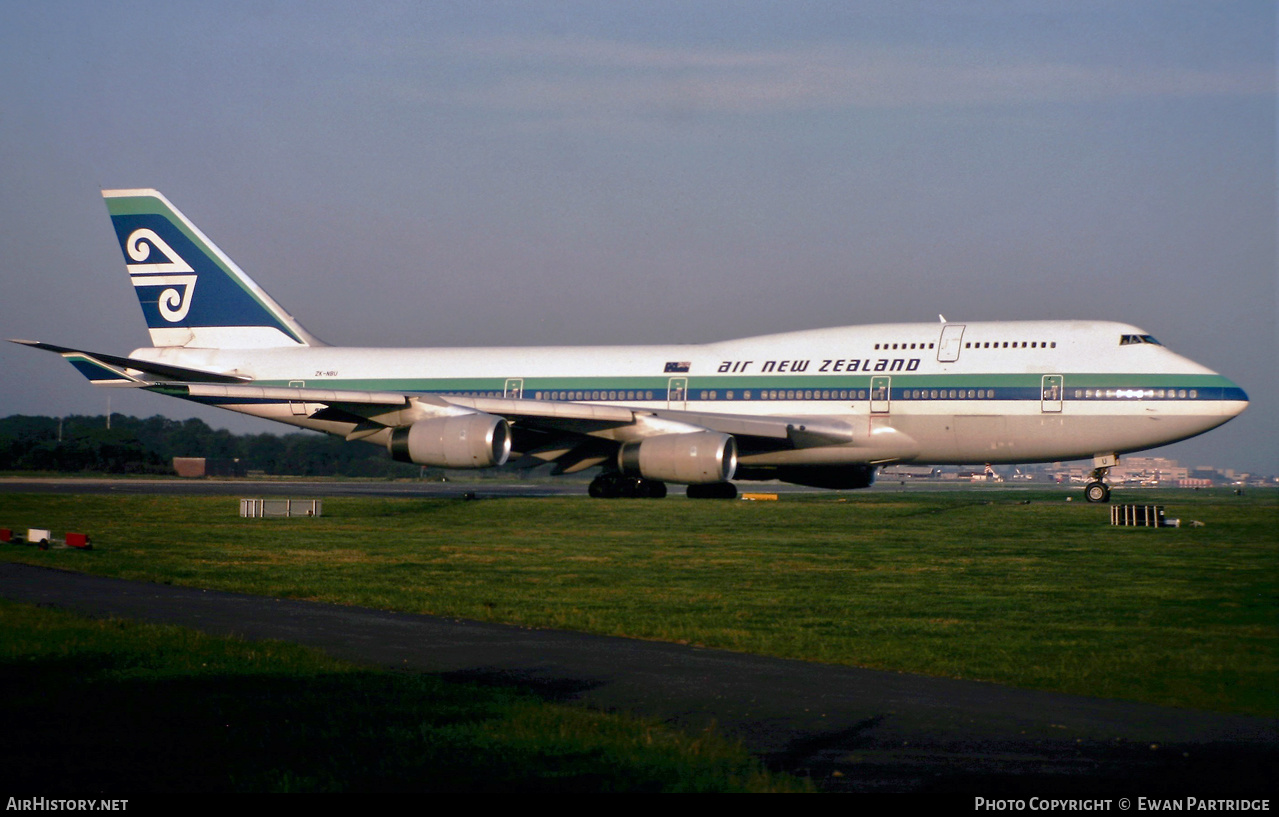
713	490
612	486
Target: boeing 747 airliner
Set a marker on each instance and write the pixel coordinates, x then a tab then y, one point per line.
822	407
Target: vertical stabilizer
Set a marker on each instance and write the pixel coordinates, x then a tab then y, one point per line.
191	293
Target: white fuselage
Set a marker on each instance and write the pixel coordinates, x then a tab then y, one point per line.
1014	391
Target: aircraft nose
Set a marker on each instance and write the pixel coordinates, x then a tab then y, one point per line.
1236	400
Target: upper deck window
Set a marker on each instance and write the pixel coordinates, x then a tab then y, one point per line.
1126	340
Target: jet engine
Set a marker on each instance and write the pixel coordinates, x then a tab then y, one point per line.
692	459
462	441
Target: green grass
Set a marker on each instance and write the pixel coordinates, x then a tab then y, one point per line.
1019	587
91	706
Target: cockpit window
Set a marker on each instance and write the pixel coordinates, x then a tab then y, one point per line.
1127	340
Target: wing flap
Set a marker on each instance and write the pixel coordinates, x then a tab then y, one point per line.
801	432
547	409
284	394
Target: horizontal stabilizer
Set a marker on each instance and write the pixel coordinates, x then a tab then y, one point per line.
99	367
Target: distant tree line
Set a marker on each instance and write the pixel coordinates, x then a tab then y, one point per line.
148	446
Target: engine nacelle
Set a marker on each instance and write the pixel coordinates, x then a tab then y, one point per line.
692	459
461	441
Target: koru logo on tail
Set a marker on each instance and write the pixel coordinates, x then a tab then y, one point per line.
172	272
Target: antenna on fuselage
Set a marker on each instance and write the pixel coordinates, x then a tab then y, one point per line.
941	317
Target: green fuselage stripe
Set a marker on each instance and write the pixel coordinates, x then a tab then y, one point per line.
731	387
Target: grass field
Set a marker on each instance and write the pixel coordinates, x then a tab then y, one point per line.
1016	587
125	708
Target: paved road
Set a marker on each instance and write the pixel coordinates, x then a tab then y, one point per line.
851	729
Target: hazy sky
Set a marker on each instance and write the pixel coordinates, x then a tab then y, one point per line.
465	173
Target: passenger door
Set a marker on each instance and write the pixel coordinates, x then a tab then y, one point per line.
880	392
1050	394
949	345
677	393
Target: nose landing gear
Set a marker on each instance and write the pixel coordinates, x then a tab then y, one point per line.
1097	490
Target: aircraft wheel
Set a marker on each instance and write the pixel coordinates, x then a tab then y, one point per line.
612	486
640	488
604	487
1097	492
714	490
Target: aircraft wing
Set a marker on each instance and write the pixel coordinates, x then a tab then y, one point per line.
799	431
574	435
619	423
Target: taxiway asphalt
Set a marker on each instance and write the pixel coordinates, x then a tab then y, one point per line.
850	729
